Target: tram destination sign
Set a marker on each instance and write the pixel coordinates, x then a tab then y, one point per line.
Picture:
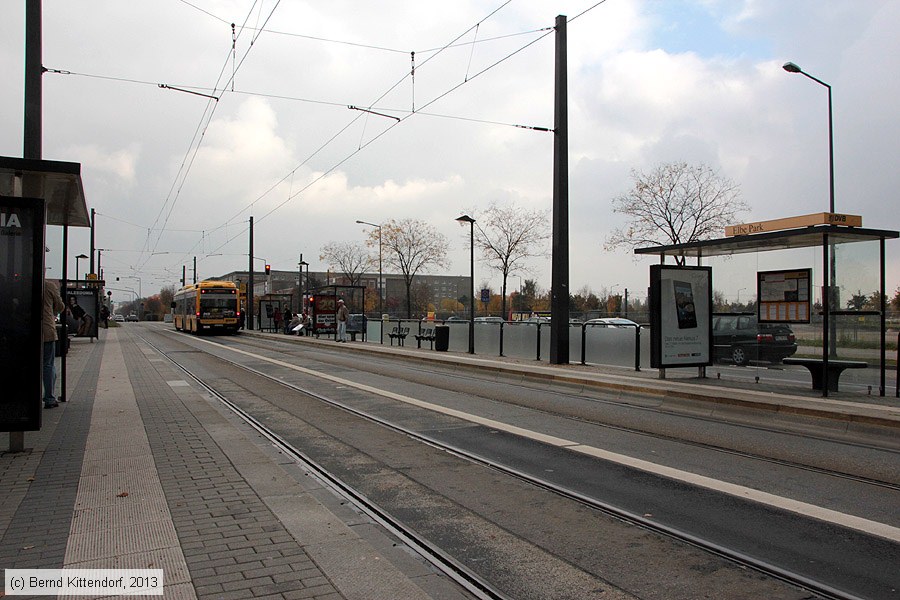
794	223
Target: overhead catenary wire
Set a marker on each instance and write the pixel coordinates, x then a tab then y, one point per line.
336	135
361	146
202	127
335	166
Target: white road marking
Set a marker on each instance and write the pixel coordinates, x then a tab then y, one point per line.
795	506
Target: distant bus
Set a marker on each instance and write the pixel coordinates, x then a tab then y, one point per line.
207	306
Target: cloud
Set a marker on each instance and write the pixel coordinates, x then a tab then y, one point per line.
119	165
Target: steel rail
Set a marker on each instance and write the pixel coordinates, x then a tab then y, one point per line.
801	581
692	443
443	562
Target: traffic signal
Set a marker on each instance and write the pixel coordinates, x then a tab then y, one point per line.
268	269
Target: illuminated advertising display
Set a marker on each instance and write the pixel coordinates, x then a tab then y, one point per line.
680	316
21	301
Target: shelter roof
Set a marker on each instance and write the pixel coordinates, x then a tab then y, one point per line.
58	183
805	237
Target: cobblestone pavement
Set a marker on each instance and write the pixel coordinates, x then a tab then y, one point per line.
140	470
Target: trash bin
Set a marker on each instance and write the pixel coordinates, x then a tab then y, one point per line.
441	338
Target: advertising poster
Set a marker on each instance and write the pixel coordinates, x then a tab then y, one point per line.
21	302
82	311
324	308
784	296
681	316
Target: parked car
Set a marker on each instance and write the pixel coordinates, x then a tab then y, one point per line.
741	338
488	319
119	318
612	322
537	320
132	318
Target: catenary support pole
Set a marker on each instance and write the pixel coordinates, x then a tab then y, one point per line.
559	296
249	310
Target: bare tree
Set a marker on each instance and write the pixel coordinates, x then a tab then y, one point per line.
676	203
507	236
351	259
411	246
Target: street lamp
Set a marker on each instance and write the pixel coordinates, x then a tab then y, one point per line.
133	277
302	264
380	282
461	220
793	68
77	263
739	295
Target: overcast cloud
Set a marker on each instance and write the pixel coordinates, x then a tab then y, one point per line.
649	81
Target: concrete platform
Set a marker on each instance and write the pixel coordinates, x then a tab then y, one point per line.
139	470
839	411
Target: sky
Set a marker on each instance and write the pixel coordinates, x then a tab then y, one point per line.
173	175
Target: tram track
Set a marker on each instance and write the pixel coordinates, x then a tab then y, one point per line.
429	552
889	485
469	580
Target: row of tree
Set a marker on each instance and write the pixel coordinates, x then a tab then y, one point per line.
673	203
505	238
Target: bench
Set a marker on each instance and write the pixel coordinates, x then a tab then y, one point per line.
835	368
427	335
399	334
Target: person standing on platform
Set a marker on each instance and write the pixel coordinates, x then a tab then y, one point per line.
342	316
295	323
52	306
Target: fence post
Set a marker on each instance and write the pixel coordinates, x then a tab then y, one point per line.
538	357
637	348
583	338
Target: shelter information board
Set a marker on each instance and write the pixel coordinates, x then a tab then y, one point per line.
21	302
680	316
784	296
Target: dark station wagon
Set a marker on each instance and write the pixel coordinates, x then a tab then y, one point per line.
741	338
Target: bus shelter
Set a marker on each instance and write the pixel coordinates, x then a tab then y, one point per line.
845	253
34	193
322	306
271	309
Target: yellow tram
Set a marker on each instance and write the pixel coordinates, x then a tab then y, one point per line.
208	306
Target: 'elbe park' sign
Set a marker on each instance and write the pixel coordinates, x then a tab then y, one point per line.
794	223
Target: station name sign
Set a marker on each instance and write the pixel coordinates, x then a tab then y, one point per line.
794	223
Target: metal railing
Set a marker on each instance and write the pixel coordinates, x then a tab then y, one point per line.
510	338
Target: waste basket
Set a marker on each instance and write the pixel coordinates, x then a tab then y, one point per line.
441	338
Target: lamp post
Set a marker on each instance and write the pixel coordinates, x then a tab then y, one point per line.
467	219
300	265
739	295
78	258
133	277
792	68
830	324
380	282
